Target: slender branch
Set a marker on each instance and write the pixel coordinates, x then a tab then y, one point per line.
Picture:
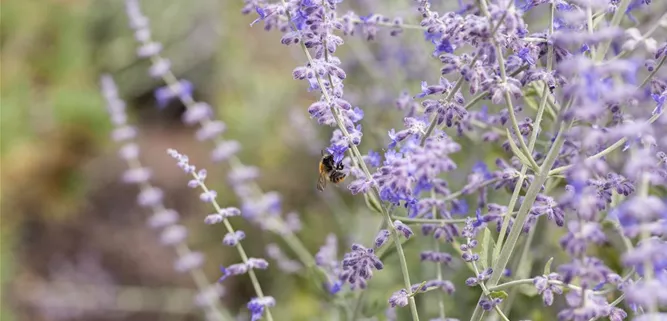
615	21
649	272
514	283
525	258
238	246
409	220
625	53
438	267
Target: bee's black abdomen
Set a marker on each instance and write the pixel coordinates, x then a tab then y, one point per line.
328	163
337	177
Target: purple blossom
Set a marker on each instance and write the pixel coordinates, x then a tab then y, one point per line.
163	218
231	239
256	306
150	197
381	238
189	261
283	263
438	257
173	235
234	269
660	100
399	298
596	306
182	90
488	304
403	229
358	266
581	235
590	270
338	152
546	289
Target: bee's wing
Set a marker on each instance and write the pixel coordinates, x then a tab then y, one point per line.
321	182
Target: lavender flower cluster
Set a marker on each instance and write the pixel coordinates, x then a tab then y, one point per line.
575	108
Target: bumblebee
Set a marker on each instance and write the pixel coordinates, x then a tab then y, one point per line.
329	171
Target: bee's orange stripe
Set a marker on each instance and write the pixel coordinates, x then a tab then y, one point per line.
339	180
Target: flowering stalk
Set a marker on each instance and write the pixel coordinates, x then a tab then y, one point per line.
221	215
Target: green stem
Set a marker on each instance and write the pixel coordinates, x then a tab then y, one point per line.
438	266
357	305
523	259
589	23
403	263
239	247
438	275
615	21
511	284
655	70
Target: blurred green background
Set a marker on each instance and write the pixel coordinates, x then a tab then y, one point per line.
74	244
